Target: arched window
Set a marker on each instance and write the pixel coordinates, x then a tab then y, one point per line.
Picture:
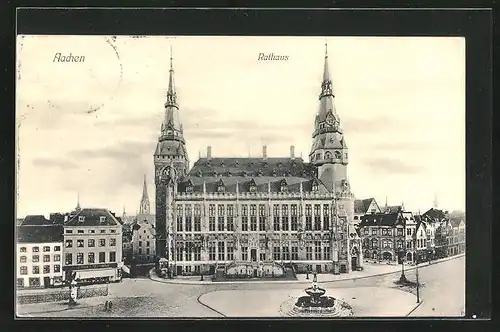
338	155
328	155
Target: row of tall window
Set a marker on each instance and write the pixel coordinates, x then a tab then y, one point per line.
35	269
90	231
36	258
37	249
91	258
384	243
252	209
226	252
385	231
80	243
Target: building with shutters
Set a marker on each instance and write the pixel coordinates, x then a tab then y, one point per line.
38	255
93	246
225	212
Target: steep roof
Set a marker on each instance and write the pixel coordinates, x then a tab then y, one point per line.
362	205
381	219
455	222
279	167
39	234
92	217
435	214
391	208
144	223
262	184
34	220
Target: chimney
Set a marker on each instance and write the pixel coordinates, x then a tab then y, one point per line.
264	151
209	152
292	152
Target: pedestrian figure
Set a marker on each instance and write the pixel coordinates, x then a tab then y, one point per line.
106	306
110	305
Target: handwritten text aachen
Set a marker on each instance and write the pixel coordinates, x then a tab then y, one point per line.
58	57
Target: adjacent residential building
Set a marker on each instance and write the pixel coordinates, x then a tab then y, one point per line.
388	236
363	207
39	255
425	239
143	241
456	240
93	246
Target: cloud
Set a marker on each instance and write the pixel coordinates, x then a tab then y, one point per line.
121	150
54	163
405	146
388	166
378	124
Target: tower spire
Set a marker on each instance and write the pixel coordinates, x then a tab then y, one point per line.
171	94
78	208
326	72
144	206
435	203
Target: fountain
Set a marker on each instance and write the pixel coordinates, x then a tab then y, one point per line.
315	304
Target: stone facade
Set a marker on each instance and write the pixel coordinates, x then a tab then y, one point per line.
256	210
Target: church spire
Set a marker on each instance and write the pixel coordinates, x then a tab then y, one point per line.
78	208
144	207
326	85
171	94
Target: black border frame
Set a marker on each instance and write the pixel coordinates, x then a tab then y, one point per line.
476	25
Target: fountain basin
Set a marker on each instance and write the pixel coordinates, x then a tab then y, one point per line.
315	293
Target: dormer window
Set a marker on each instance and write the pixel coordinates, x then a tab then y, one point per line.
102	219
274	172
221	189
81	218
200	174
252	186
283	186
244	173
315	187
236	163
259	173
229	174
189	188
214	173
222	163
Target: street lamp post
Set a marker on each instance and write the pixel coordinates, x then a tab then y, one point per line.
403	277
418	285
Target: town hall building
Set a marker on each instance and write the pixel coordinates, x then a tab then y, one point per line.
259	211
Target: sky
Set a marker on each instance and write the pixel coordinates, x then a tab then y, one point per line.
91	128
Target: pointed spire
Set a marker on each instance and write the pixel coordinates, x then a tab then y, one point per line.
326	85
78	208
171	94
435	203
144	207
326	72
124	214
385	201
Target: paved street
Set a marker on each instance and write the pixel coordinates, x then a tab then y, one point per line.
442	291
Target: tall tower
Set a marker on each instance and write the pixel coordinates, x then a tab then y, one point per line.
170	153
144	207
329	155
329	149
435	202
